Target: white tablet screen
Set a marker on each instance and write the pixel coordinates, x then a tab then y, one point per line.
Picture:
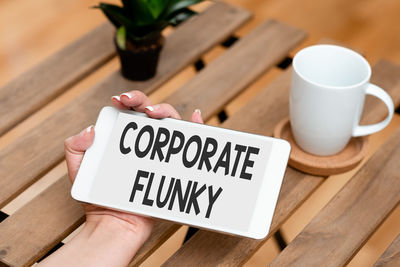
180	171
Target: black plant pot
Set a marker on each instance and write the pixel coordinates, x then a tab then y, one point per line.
140	64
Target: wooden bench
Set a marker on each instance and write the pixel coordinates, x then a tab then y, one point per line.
391	257
351	217
272	103
39	226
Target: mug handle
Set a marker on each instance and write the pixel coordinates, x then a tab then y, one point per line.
378	92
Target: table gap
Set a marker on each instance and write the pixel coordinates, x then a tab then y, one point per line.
3	216
51	251
333	184
380	240
66	97
164	249
285	63
251	91
52	104
167	249
172	85
36	188
184	76
264	255
55	173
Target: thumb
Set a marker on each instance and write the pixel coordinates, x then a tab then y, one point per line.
75	147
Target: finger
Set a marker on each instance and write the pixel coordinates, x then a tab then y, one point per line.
196	117
136	100
75	148
160	111
116	100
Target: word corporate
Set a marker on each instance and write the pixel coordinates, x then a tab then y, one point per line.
149	143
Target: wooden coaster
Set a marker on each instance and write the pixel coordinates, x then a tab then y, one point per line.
341	162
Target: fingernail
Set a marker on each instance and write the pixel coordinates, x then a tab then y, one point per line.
89	129
116	97
149	108
197	111
127	95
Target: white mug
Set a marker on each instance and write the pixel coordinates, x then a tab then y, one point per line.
328	89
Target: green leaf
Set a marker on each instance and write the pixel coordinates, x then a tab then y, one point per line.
145	18
176	5
121	37
156	7
116	15
146	12
181	16
109	17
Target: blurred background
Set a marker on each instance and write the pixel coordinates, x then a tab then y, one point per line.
32	30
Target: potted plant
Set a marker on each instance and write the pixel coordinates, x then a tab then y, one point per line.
139	25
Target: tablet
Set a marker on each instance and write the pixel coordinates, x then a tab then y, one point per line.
203	176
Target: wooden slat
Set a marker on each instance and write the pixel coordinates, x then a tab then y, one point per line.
260	116
225	77
391	257
340	229
22	241
161	232
166	229
36	87
187	43
34	229
41	148
26	244
17	231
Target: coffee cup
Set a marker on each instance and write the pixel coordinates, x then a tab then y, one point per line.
328	89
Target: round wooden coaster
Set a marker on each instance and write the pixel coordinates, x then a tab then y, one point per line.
341	162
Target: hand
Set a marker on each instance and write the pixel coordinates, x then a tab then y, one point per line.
118	233
76	146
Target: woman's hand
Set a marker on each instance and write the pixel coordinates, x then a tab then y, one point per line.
109	237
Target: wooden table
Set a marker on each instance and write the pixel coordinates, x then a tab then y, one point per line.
332	238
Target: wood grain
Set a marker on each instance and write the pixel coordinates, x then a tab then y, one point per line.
42	147
260	116
391	256
233	71
183	46
57	214
38	86
161	232
158	237
356	23
339	230
20	244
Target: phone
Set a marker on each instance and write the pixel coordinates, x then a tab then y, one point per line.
204	176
